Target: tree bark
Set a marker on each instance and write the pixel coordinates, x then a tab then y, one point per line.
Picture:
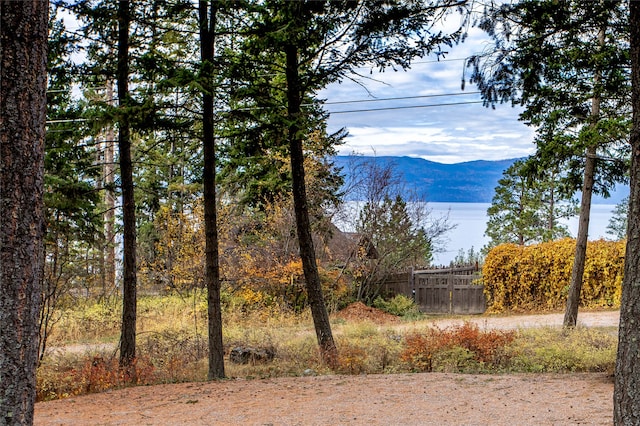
626	394
319	313
207	23
577	273
129	284
23	85
110	203
575	287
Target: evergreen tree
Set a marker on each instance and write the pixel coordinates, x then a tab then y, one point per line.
618	222
207	25
399	243
314	44
566	62
23	85
71	198
526	208
162	103
129	281
156	130
626	399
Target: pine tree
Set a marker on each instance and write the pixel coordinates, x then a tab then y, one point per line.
23	85
626	398
398	241
527	208
619	221
312	44
71	200
566	62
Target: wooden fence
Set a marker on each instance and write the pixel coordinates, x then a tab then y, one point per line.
441	291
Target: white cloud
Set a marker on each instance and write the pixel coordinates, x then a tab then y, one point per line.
445	133
435	144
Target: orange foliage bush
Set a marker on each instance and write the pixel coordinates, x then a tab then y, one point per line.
261	256
351	359
485	347
178	259
95	374
258	257
537	277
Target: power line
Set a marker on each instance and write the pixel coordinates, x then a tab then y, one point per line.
439	60
70	120
434	61
399	98
405	107
331	112
79	87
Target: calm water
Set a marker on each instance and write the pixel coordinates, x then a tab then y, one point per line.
471	221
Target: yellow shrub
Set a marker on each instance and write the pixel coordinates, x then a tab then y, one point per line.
537	277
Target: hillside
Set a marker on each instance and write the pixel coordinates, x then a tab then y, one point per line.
468	182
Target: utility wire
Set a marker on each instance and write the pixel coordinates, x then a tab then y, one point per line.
405	107
398	98
330	112
71	120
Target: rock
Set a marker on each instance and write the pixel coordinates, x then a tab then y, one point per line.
247	354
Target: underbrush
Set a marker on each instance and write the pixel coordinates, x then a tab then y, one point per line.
555	350
459	349
172	347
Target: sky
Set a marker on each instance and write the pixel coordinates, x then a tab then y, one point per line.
447	134
457	133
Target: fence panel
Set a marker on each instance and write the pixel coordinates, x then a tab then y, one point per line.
468	299
442	291
431	293
398	284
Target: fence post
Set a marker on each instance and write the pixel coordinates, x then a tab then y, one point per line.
450	288
412	287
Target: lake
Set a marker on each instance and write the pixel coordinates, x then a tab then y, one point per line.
471	219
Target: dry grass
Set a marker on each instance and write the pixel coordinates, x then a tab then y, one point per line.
172	346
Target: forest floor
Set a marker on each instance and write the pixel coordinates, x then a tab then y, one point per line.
390	399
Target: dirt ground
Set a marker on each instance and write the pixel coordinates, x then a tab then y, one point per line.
394	399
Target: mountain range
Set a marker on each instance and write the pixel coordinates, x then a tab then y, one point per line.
467	182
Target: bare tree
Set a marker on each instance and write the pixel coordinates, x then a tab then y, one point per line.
394	221
23	83
109	279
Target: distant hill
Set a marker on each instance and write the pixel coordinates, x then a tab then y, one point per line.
468	182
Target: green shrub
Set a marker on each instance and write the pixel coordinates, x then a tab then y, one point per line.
564	350
399	305
456	360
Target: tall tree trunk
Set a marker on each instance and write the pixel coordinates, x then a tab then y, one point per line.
551	220
319	313
23	85
575	287
212	268
128	335
626	394
577	273
110	203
